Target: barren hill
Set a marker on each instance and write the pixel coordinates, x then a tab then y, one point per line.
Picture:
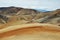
19	15
28	24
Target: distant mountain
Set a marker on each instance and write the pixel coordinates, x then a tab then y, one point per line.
42	10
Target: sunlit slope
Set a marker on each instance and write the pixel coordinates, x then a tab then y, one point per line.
32	31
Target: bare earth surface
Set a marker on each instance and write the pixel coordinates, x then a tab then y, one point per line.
32	31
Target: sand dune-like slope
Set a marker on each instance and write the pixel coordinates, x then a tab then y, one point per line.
33	31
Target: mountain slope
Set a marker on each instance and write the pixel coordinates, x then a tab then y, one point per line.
17	15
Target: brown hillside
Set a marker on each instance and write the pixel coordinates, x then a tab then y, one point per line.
9	14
